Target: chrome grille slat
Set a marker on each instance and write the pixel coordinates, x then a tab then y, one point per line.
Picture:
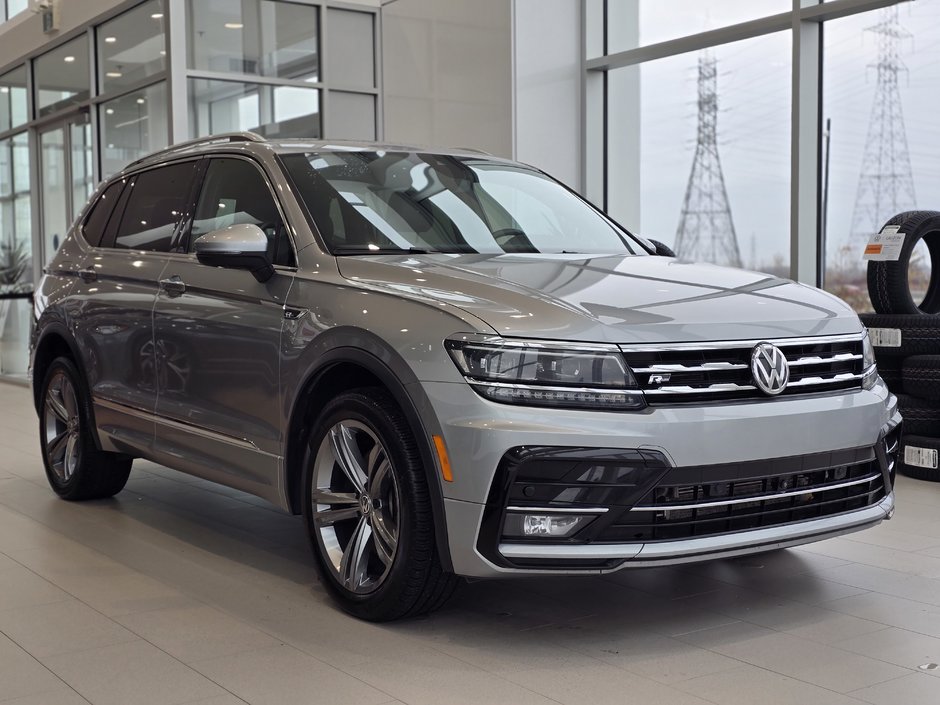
707	367
686	372
754	498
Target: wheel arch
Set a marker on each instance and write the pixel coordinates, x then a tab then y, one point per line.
345	367
56	341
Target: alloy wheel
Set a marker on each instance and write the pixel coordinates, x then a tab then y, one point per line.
63	430
356	506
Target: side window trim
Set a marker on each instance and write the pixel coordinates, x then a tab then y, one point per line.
117	215
186	239
128	192
97	203
180	242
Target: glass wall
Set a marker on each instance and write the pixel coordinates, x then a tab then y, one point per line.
132	47
639	22
132	126
268	66
13	99
780	143
232	45
261	37
707	155
881	70
270	110
16	264
11	8
62	77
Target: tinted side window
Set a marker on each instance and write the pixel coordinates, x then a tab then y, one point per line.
235	192
97	221
157	202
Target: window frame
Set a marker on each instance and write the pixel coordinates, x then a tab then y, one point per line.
108	241
93	204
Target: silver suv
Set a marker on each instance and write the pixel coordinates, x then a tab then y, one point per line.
450	364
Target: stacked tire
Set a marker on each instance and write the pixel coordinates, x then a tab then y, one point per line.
906	338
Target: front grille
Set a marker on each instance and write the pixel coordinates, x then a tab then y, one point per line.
679	510
722	371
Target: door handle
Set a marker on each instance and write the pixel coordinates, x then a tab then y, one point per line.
173	286
88	275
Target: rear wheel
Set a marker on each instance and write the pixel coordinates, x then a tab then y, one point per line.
75	468
367	510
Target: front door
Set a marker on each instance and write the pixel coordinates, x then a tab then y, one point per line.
65	160
217	340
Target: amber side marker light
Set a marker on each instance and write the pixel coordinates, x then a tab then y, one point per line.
442	456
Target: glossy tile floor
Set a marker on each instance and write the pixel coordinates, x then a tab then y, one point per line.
179	591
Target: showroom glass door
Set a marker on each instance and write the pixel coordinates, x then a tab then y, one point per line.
65	168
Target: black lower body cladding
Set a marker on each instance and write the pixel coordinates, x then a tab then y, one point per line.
888	281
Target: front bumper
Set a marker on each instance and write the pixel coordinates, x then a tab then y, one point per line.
479	434
721	546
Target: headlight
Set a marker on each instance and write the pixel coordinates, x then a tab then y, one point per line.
869	370
546	373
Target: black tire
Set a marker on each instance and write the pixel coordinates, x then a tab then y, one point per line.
916	471
921	417
403	580
891	374
83	471
920	335
888	284
921	377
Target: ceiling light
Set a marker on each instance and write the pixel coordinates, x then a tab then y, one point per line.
69	59
233	25
110	40
157	15
114	74
141	101
110	111
4	89
163	52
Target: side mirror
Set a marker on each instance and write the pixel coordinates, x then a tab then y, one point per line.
242	246
663	250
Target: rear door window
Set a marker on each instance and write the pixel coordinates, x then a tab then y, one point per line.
97	221
158	200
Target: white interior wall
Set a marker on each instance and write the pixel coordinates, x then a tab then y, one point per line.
447	73
547	87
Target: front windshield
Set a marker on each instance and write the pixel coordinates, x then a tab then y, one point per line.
391	202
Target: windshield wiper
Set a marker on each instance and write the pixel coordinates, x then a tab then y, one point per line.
380	251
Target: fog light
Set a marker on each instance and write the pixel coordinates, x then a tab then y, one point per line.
545	525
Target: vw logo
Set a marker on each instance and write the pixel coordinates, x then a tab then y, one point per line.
769	368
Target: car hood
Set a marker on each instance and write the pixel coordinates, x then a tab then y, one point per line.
617	299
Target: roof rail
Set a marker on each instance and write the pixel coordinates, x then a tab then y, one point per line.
472	149
211	139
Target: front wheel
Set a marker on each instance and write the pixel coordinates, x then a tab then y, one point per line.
75	468
367	510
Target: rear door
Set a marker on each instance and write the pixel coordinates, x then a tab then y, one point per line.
217	336
116	292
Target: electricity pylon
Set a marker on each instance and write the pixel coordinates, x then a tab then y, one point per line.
706	230
886	183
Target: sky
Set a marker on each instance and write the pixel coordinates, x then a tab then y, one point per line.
754	81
